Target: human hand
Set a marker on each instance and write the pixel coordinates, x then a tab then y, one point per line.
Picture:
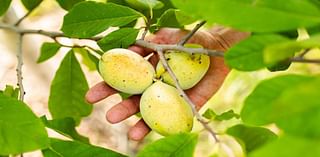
217	38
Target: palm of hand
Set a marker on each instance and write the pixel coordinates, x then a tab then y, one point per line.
198	94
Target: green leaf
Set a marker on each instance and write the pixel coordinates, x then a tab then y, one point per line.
74	148
31	4
257	109
280	66
87	19
227	116
291	101
47	51
88	59
50	153
175	18
68	4
253	15
289	147
124	96
65	126
251	137
248	54
300	110
20	129
145	4
180	145
283	50
4	6
121	38
10	91
210	114
68	90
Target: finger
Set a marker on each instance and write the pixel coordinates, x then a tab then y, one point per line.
123	110
99	92
138	131
139	50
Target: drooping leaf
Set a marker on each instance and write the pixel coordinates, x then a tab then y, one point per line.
291	101
31	4
180	145
121	38
68	4
65	126
248	54
4	6
145	4
47	51
255	15
68	90
89	18
175	18
289	146
251	137
20	129
75	148
280	51
10	91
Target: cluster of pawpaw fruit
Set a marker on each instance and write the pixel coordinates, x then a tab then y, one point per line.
161	106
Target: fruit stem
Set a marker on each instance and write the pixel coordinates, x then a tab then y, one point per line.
186	38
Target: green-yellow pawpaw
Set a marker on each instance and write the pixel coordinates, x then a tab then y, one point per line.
126	71
188	68
164	110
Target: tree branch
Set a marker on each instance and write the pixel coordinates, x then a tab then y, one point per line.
184	95
19	68
186	38
302	60
145	31
304	53
165	47
23	17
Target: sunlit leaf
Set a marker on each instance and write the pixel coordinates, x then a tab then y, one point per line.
145	4
68	4
290	101
175	18
68	90
89	18
65	126
31	4
60	148
4	6
255	15
180	145
248	54
47	51
20	129
289	146
251	137
283	50
121	38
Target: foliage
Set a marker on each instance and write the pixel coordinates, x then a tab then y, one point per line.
290	102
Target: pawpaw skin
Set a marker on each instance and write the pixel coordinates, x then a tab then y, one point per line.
164	110
126	71
188	68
